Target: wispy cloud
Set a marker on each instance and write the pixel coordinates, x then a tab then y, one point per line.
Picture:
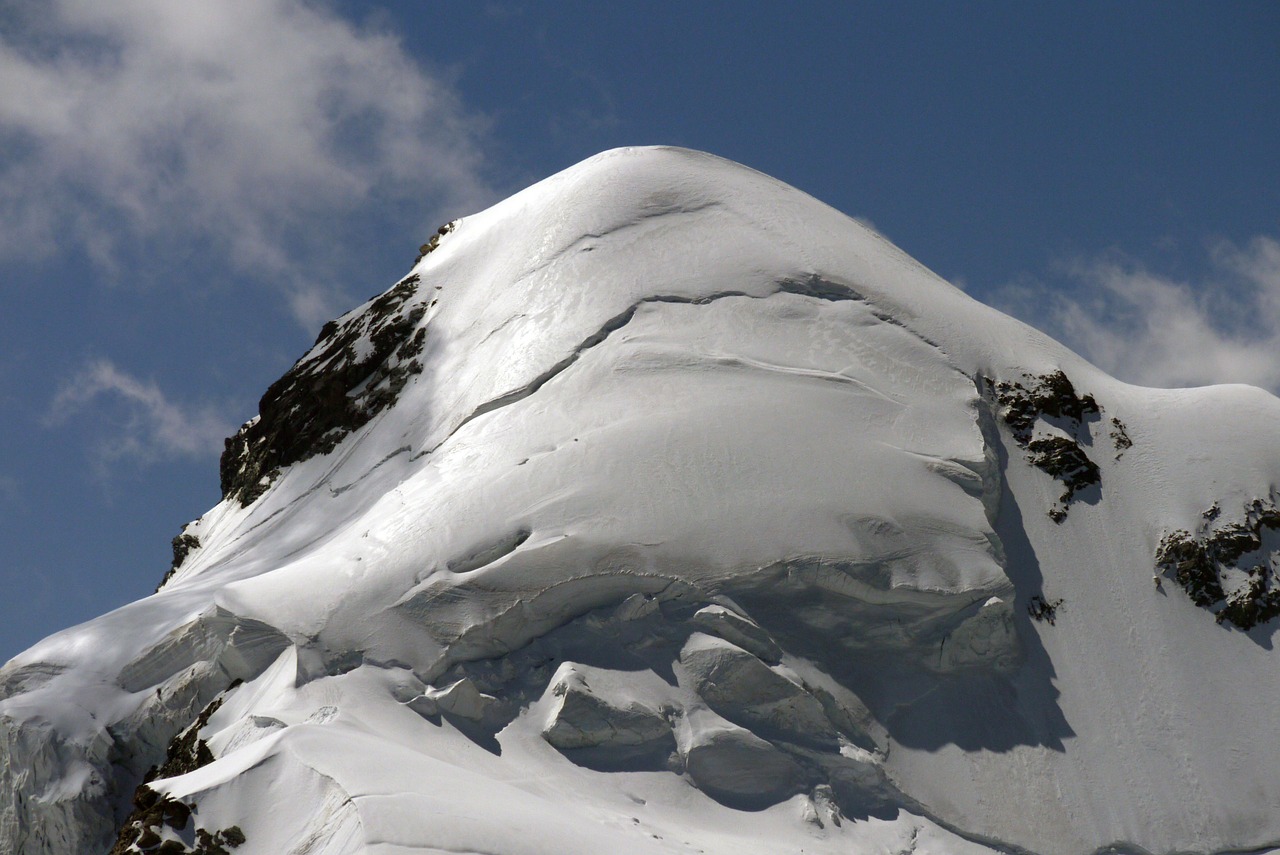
245	129
1157	330
136	419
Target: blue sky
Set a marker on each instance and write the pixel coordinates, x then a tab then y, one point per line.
188	191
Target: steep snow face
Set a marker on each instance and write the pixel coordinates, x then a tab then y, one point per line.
662	508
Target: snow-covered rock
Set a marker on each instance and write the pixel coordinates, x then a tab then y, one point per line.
738	629
594	708
662	508
743	689
735	766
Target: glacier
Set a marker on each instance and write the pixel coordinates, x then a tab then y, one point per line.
662	508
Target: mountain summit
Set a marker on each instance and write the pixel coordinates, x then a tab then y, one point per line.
662	508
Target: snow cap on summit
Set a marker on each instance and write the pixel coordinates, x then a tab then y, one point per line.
662	507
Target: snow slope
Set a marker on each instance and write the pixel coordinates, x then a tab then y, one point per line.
663	508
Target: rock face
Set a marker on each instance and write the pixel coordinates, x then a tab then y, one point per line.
661	508
1230	567
1051	400
356	369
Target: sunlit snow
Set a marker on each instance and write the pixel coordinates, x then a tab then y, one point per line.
699	531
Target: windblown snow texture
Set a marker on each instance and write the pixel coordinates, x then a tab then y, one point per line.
663	509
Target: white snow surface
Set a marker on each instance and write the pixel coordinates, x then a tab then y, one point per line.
703	481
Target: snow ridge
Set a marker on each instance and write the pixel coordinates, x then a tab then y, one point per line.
663	509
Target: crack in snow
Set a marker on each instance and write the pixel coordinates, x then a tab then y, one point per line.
808	373
642	219
814	287
609	327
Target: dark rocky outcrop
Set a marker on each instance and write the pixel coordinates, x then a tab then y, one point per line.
142	831
356	369
430	245
1066	461
1120	437
183	545
1041	609
1050	395
1053	398
187	751
1198	563
154	815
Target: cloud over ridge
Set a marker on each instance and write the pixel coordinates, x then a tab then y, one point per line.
1157	330
248	128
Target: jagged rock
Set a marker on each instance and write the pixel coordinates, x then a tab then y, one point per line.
153	811
154	814
1066	461
1200	565
355	370
1051	395
1120	437
1189	561
431	245
157	826
183	545
187	751
1043	609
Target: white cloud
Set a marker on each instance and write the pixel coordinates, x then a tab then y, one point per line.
1155	330
243	128
148	426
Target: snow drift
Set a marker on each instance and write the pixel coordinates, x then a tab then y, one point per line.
662	508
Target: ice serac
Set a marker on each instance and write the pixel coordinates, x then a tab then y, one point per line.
662	508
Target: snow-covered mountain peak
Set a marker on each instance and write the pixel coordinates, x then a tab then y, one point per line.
663	508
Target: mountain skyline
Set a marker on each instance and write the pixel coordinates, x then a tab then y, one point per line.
188	199
664	508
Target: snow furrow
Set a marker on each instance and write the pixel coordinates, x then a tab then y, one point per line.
814	288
